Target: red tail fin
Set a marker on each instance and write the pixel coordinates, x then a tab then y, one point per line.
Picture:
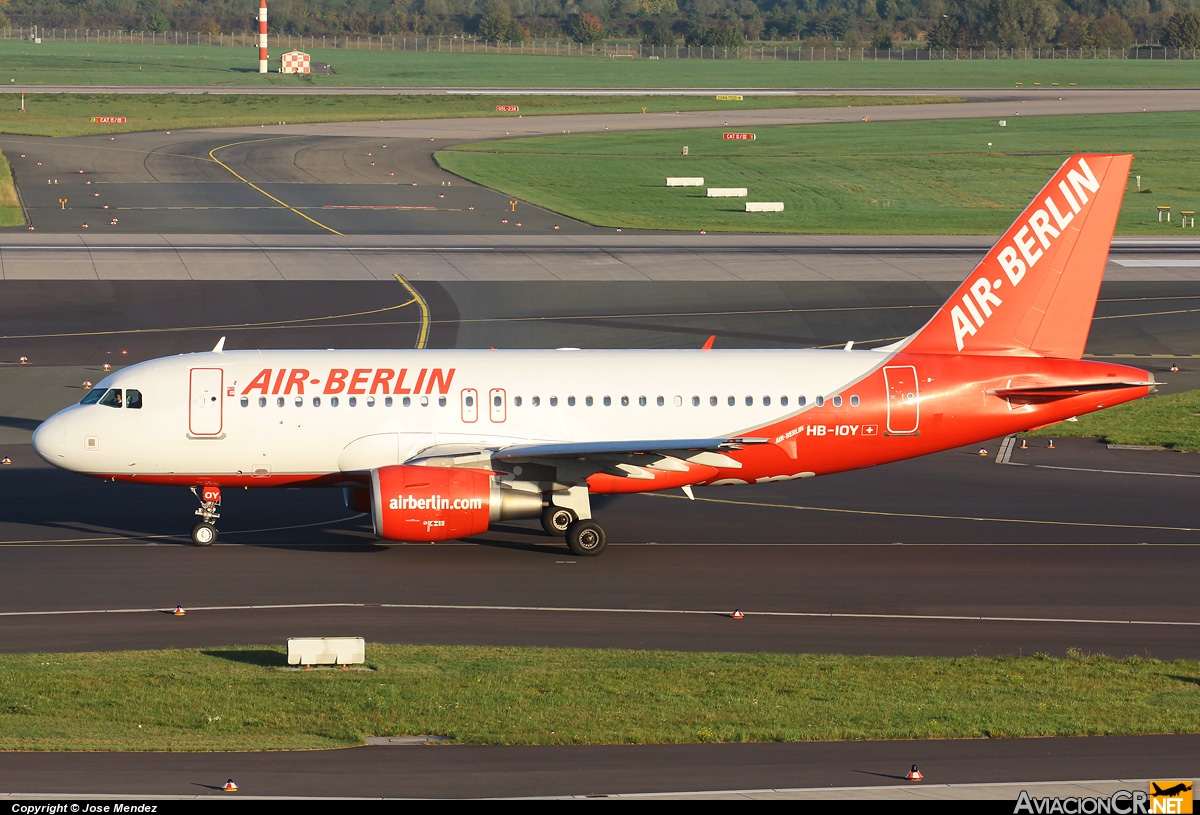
1035	292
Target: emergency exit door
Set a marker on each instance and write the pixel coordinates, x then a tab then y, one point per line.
903	399
205	405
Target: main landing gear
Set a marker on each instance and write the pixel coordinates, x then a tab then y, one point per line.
569	515
205	533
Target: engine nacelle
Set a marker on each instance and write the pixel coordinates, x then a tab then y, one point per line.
442	503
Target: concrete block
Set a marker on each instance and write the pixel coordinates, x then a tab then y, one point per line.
326	650
764	206
685	182
727	192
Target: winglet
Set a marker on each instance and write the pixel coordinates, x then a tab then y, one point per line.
219	348
708	343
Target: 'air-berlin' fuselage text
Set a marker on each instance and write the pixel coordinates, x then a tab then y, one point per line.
352	381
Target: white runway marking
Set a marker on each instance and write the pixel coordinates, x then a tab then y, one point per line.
589	610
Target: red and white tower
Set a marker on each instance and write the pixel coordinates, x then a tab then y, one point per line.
262	36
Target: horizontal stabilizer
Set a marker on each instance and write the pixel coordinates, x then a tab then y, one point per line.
1064	391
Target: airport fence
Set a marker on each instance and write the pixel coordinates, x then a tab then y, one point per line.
766	52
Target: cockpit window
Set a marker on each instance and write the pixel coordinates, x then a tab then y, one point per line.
93	396
133	399
112	398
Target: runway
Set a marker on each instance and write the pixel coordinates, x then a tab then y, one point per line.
951	537
955	554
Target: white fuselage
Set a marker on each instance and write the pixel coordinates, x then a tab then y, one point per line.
278	413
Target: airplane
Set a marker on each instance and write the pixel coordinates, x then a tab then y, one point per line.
439	444
1170	792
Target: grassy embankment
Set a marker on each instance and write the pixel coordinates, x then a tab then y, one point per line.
239	698
71	114
82	63
866	177
1171	421
10	207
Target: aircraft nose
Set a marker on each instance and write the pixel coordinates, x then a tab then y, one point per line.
50	440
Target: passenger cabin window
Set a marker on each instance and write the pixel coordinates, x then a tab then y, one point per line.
333	401
712	400
469	401
262	401
112	398
837	401
766	401
801	401
299	401
424	401
695	401
783	401
749	401
853	401
245	401
353	401
732	401
820	401
516	400
407	401
661	401
553	401
387	401
588	400
316	401
536	401
370	401
278	401
133	399
608	401
441	401
570	401
93	396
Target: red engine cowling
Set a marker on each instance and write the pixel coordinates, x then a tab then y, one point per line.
430	503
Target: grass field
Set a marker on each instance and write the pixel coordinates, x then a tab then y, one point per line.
239	698
878	178
10	207
80	63
55	114
1171	421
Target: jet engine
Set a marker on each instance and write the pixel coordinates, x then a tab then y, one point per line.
417	504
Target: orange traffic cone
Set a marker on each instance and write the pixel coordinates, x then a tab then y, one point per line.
983	451
1174	368
914	774
232	787
737	614
107	367
6	460
179	612
1051	444
1024	445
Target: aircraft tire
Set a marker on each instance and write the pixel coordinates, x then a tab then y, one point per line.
204	534
557	520
586	538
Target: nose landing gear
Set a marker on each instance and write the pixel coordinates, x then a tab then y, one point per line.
205	533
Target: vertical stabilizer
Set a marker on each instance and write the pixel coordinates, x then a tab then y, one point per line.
1035	292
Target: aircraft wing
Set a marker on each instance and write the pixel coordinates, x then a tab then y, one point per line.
544	450
573	449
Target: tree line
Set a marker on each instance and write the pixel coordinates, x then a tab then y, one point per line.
852	23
